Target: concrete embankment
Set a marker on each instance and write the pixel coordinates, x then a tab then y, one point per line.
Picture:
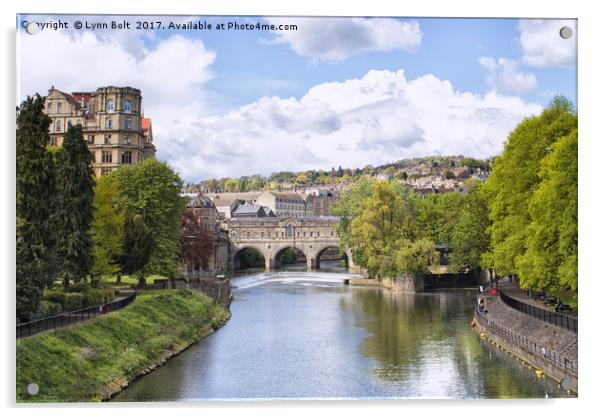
550	350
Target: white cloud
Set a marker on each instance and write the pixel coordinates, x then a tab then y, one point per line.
504	75
335	39
374	119
542	45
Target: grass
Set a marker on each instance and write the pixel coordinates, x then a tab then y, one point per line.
82	362
568	297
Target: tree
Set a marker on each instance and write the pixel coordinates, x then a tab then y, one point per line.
386	219
197	241
515	178
469	239
35	188
231	185
302	179
75	191
107	229
151	190
415	257
138	245
550	258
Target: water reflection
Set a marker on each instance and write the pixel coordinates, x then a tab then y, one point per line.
306	335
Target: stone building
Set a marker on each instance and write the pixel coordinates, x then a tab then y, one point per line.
285	204
252	211
112	120
321	201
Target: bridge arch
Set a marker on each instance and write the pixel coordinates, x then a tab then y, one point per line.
238	250
330	252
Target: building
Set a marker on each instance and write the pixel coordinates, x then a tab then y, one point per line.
112	120
252	211
285	204
320	201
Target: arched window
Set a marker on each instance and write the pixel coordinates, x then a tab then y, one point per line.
69	125
127	106
290	232
110	107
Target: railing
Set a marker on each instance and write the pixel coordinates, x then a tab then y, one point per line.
58	321
557	359
552	318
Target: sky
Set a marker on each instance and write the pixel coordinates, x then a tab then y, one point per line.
336	91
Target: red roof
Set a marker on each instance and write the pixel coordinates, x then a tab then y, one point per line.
146	123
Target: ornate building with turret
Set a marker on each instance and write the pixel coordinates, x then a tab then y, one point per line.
113	123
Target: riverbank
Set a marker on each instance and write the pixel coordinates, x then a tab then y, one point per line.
95	360
420	283
550	351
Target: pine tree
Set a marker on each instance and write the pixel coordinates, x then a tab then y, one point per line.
75	191
35	183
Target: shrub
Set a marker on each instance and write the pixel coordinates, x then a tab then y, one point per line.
74	301
108	294
48	308
55	296
93	297
80	287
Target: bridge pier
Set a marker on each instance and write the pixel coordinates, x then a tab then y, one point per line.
311	264
269	264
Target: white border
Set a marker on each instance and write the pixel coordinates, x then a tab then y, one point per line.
589	176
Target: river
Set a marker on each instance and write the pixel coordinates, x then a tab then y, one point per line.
301	335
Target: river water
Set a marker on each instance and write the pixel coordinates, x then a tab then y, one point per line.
304	335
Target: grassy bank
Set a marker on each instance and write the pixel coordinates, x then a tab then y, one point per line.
92	360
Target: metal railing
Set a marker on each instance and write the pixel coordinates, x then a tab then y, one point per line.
557	359
58	321
557	319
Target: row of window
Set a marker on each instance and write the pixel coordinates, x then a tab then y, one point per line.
108	124
106	156
107	139
109	107
267	234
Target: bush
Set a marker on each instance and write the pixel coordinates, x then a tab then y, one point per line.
48	308
80	287
55	296
93	297
74	301
108	294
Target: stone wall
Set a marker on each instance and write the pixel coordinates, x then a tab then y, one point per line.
217	289
409	283
548	348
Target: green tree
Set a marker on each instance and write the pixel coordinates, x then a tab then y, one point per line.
231	185
415	257
75	191
138	245
468	238
386	219
302	179
515	178
107	229
550	259
151	190
35	188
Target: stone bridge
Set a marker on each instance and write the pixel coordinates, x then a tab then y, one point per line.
272	235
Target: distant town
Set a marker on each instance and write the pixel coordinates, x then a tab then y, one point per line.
313	192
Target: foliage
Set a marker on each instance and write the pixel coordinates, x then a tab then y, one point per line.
48	308
77	363
231	185
387	218
437	214
75	182
138	244
514	180
250	258
550	258
468	238
107	229
415	257
150	191
74	301
197	241
35	189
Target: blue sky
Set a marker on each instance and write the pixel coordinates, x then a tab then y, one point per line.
335	92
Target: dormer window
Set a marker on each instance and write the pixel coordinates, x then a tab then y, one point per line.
127	106
110	107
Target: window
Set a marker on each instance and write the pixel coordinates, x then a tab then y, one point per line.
128	139
49	108
69	125
127	106
110	107
93	157
108	123
126	158
105	171
107	139
57	126
311	233
58	107
332	233
79	123
128	122
53	141
91	139
107	156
